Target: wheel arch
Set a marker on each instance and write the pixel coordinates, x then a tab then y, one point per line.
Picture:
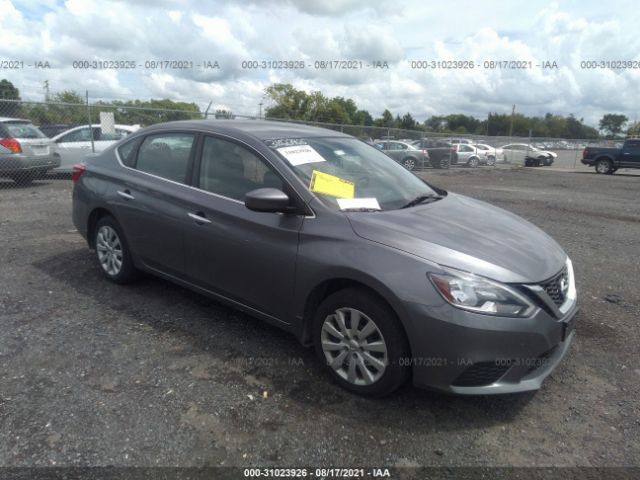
331	285
93	219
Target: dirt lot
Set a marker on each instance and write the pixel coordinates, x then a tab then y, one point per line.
152	374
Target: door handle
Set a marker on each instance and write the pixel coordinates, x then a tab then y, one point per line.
126	195
199	217
627	153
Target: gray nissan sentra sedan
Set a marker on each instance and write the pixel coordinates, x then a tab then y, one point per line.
318	233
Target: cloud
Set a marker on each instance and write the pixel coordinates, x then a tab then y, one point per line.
233	33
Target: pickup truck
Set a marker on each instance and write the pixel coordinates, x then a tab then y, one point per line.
440	151
608	160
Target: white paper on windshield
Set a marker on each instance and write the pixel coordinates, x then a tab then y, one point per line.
339	152
300	154
349	203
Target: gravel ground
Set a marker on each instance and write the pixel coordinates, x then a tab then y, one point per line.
152	374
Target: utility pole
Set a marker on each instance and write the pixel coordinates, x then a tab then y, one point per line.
513	112
46	90
260	114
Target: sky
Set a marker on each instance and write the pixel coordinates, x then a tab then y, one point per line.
398	33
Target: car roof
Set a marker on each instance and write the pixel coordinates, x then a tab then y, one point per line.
9	119
132	128
260	129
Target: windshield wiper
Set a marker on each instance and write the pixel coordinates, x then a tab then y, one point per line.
361	209
422	199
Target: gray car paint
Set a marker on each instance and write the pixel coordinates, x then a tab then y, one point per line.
275	266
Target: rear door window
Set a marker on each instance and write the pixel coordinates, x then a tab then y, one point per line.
166	155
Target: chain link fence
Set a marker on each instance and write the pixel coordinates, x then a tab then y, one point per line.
43	140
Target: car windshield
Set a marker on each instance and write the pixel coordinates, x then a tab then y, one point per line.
347	174
23	130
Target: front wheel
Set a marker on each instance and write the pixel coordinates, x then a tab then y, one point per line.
604	166
473	162
409	163
112	252
361	342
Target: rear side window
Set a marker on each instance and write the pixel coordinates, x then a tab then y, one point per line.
166	155
634	144
127	152
23	130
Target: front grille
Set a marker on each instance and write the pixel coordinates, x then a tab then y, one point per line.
557	287
483	373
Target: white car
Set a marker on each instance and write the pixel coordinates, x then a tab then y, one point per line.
73	144
528	155
492	154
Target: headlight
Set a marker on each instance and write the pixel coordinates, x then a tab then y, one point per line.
481	295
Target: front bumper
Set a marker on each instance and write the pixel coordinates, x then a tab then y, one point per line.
460	352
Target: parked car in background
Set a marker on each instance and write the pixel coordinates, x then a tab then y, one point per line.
609	160
73	144
321	235
455	141
54	129
467	155
492	154
25	152
527	155
439	151
405	154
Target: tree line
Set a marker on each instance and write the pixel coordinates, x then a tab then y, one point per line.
289	103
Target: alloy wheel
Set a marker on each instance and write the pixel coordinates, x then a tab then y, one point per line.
109	248
409	163
354	346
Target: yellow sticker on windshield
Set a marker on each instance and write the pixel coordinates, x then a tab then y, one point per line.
331	185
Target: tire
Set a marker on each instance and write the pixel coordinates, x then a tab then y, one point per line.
112	252
444	163
604	166
23	178
375	372
491	161
409	163
473	162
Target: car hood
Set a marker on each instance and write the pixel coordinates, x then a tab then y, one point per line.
469	235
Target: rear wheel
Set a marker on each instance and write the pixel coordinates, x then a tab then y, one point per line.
361	342
473	162
491	160
444	163
409	163
604	166
24	178
112	251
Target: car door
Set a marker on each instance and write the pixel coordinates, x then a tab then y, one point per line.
73	146
631	154
246	256
464	152
152	198
516	154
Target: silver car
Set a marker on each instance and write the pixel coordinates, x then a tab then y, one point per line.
73	144
25	152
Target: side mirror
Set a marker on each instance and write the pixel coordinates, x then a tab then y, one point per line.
267	200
